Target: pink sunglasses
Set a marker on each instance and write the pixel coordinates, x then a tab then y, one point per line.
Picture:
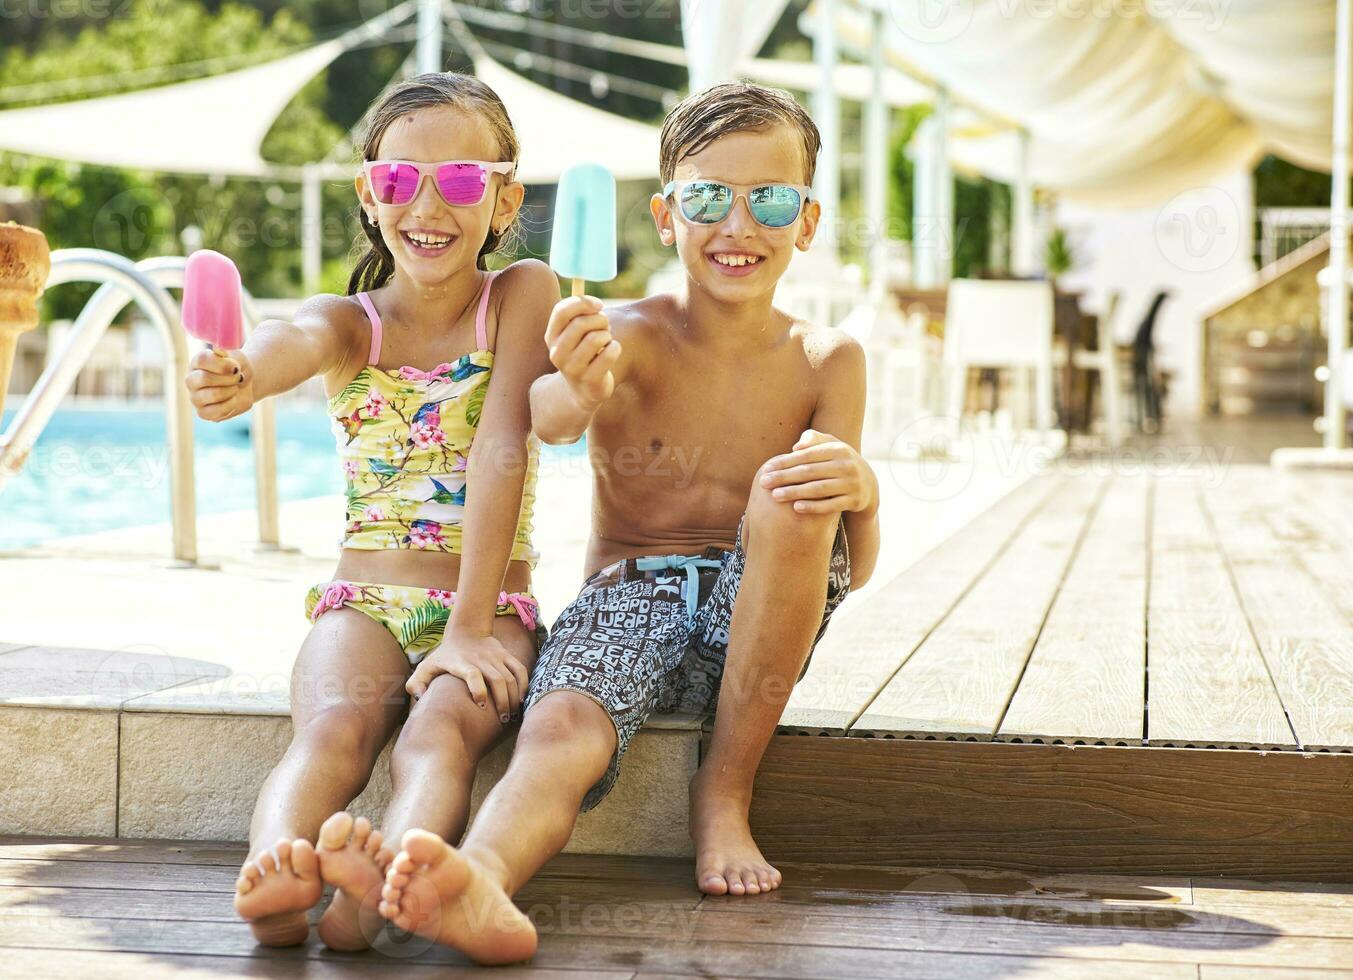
462	183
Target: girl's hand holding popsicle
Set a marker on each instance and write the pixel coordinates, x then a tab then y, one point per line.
220	385
220	379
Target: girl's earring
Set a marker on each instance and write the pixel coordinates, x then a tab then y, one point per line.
372	219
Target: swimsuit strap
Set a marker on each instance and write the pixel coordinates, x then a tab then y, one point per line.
481	320
375	319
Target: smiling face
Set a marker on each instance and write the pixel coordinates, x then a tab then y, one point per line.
429	239
738	259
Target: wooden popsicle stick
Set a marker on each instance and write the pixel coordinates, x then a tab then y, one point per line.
579	287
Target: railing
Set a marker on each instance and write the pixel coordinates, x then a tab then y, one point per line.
147	285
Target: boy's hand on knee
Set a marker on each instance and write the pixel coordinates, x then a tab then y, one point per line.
483	663
581	347
822	475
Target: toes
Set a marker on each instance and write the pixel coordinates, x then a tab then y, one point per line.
333	835
361	830
383	857
714	884
267	862
373	843
304	860
402	864
750	883
423	847
282	849
735	885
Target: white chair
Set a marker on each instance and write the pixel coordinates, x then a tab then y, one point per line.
1000	324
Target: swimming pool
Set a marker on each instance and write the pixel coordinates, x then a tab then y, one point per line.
102	467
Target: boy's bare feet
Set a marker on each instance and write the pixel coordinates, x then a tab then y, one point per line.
351	859
727	860
276	889
441	894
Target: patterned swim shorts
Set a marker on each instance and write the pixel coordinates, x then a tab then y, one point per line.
651	634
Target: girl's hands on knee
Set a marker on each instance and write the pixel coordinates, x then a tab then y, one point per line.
483	663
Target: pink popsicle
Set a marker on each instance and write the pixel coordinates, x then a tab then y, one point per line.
211	300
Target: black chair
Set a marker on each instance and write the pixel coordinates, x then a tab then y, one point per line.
1145	381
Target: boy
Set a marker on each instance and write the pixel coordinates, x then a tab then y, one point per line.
732	511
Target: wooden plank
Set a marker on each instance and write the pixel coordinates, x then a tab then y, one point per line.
1165	936
122	850
107	965
586	953
1306	640
1207	682
864	648
1048	809
1086	679
960	681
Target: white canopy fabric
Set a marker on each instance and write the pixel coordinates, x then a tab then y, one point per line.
1124	108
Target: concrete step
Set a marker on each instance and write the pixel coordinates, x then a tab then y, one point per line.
134	744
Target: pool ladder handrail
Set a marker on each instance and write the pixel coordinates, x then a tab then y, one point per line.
147	284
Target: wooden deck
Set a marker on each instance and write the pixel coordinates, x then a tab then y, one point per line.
1094	608
1109	670
144	910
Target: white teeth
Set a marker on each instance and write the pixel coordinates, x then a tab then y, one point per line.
427	241
724	258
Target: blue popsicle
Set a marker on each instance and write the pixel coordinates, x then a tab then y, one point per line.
582	243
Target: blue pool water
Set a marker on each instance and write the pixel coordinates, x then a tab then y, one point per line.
94	469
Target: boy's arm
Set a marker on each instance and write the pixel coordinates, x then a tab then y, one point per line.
589	361
494	480
825	472
278	356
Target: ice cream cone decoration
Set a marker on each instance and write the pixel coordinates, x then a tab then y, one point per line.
25	262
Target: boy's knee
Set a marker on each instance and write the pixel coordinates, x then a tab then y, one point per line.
566	718
778	521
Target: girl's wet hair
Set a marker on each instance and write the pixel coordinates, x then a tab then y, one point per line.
443	88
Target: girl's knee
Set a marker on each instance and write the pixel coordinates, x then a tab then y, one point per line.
340	729
447	722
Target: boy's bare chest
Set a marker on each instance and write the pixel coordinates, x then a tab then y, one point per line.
730	417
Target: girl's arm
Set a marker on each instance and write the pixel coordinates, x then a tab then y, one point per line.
494	479
278	356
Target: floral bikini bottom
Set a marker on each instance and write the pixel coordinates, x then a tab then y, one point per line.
415	617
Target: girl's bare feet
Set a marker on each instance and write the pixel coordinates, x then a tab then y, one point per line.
441	894
351	859
276	889
727	860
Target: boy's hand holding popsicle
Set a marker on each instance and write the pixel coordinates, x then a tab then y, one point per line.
582	247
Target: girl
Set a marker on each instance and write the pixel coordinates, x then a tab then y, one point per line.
431	599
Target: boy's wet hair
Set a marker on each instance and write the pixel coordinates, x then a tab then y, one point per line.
439	88
733	107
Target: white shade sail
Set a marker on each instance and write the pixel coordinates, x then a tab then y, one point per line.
206	126
556	132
